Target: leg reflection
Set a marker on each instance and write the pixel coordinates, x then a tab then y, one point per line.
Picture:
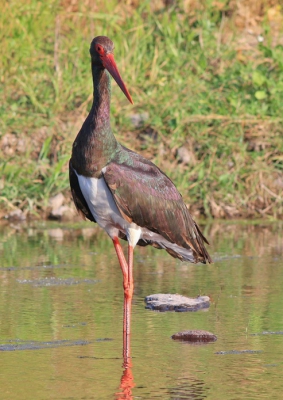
126	385
127	379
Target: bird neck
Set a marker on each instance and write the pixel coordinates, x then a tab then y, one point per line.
100	110
100	131
95	144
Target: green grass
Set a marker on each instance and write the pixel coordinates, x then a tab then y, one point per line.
201	90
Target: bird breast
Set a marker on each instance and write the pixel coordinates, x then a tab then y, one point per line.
104	209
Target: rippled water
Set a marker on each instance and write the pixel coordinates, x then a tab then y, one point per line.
61	310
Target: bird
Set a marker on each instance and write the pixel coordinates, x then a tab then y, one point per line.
124	193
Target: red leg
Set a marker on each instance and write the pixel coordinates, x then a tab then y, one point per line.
128	282
122	260
128	295
130	287
130	270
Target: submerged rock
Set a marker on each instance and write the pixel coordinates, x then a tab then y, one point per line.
239	352
56	281
195	336
14	345
176	302
267	333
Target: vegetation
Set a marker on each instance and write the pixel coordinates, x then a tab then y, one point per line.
205	77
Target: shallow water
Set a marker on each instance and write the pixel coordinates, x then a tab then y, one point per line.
61	310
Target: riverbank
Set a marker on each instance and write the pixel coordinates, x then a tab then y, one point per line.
207	85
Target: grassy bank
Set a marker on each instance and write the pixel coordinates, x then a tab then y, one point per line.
205	76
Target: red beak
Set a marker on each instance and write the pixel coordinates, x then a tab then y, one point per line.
110	64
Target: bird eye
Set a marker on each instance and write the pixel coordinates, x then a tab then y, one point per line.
99	49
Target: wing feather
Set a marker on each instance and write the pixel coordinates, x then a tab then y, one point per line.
146	196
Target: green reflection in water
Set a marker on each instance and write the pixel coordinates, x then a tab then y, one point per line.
244	283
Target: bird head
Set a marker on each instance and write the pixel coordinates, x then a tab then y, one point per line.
101	51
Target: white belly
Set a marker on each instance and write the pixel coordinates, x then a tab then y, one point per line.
103	207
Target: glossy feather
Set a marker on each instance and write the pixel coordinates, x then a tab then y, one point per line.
146	196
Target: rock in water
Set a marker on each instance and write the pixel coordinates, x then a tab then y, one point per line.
195	336
176	302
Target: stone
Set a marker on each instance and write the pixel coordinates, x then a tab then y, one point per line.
56	201
279	182
16	215
139	119
59	210
62	212
185	156
176	302
195	336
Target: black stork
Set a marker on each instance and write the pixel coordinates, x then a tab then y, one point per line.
126	194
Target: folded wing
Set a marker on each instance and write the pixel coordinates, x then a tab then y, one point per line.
146	196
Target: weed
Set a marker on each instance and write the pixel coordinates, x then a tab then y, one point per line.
206	80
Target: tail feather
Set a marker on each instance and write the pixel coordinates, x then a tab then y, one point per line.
182	253
203	254
194	255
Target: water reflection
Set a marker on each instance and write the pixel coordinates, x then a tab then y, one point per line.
188	389
85	302
127	383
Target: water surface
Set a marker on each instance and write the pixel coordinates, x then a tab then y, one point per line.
61	310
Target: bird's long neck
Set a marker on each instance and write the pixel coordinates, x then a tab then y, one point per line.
95	144
100	110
